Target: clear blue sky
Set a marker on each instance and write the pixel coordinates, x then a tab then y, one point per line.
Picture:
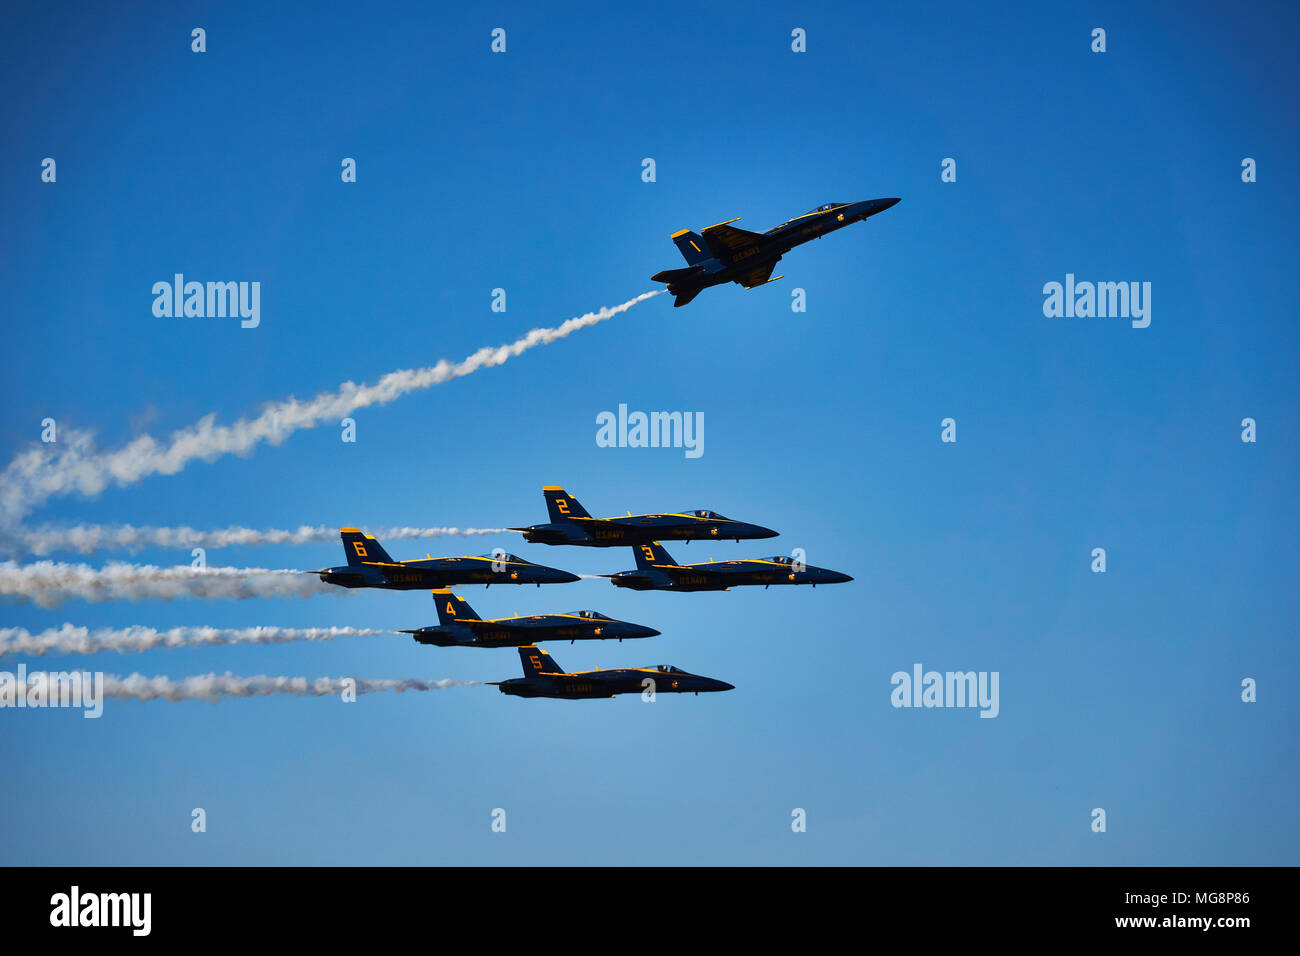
522	171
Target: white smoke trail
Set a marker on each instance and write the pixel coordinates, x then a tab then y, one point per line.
74	465
49	583
215	687
87	539
70	639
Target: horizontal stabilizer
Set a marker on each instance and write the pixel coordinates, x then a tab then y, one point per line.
677	275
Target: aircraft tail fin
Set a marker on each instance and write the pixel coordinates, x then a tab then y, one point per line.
683	297
361	548
537	661
648	555
561	505
692	247
452	607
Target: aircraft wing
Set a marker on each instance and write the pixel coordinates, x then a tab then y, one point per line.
724	239
759	276
632	521
476	625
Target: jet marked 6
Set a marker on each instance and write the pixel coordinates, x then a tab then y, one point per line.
571	524
727	254
369	566
459	626
544	678
657	571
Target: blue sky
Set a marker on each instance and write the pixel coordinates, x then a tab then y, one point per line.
523	171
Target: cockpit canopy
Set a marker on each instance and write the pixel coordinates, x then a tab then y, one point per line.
593	615
783	559
826	207
502	556
669	669
706	514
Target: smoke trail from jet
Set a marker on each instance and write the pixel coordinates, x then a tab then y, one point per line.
217	687
90	538
70	639
74	464
49	584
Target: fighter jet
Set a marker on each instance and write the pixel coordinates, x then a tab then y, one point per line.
543	678
727	254
369	566
657	571
570	524
459	626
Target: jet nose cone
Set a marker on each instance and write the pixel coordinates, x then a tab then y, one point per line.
723	685
835	577
870	207
647	632
564	577
761	532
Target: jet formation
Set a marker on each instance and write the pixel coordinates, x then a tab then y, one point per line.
370	566
718	254
725	253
